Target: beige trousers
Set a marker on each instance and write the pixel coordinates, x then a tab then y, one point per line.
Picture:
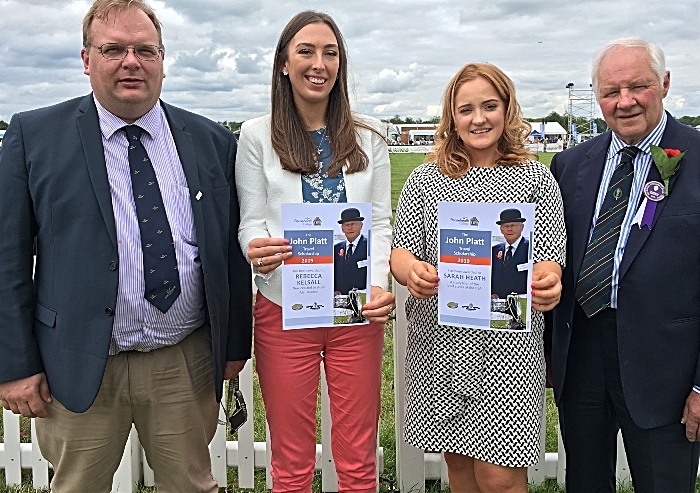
169	396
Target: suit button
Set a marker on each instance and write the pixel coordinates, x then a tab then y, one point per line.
109	312
112	265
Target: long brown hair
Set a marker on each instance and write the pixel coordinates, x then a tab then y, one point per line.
290	138
450	153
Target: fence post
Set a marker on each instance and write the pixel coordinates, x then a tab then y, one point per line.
622	471
535	474
129	471
148	476
40	466
217	451
13	466
268	458
246	445
329	477
561	458
410	463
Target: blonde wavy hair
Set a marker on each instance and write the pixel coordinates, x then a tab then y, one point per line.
450	153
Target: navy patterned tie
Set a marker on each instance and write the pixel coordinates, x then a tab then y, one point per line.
509	256
594	286
348	254
159	262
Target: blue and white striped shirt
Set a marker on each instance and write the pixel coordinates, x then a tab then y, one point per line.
642	164
138	325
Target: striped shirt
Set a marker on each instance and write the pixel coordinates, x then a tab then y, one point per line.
642	164
138	325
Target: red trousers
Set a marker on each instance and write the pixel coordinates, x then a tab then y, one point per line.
288	365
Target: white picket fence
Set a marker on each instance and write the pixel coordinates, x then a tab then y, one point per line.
413	466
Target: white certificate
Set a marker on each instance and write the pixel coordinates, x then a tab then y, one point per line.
485	265
326	281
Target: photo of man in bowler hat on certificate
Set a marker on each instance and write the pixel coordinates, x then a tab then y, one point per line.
350	255
509	258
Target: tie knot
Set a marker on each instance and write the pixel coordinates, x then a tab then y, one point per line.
133	132
627	154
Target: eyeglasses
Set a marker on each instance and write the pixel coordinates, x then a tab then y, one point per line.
118	51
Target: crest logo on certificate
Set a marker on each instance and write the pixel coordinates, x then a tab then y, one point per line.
485	265
326	281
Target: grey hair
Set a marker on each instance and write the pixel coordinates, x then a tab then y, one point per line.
657	60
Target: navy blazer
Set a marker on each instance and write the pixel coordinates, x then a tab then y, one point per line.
54	188
505	281
347	275
658	298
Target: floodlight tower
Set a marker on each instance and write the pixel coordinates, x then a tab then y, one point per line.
581	105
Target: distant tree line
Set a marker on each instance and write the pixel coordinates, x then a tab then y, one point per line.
410	121
689	120
3	125
233	126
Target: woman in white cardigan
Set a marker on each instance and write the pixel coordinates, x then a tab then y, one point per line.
312	148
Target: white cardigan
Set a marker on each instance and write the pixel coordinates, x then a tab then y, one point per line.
263	186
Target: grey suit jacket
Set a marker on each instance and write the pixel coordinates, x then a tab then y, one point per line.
54	194
658	297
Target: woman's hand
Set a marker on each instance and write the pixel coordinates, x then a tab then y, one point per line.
546	285
419	277
380	305
266	254
422	280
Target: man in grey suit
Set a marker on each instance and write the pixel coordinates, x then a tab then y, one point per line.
139	303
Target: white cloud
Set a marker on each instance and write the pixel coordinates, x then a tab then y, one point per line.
391	81
401	53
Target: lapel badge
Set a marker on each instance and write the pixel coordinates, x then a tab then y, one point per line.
199	195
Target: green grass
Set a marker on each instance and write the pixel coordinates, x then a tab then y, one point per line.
403	164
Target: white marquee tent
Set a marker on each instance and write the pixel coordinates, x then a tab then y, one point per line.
551	129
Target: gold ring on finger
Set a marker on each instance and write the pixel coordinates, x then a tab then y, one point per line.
260	262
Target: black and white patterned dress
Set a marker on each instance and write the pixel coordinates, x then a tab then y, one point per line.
469	391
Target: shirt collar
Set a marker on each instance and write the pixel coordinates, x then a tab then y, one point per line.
616	144
353	243
110	123
515	243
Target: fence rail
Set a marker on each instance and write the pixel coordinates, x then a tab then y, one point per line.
413	466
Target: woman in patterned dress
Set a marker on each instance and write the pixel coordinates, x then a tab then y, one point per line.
312	148
477	394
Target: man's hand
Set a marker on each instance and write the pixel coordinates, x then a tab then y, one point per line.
26	396
691	417
233	368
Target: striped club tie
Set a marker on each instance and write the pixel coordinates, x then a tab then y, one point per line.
594	286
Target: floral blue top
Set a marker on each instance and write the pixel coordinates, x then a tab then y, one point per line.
319	187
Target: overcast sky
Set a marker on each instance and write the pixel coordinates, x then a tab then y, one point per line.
402	53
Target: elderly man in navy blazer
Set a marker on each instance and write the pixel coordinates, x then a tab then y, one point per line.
624	342
509	258
350	255
139	304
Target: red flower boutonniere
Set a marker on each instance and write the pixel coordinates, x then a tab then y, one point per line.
341	252
667	161
499	256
